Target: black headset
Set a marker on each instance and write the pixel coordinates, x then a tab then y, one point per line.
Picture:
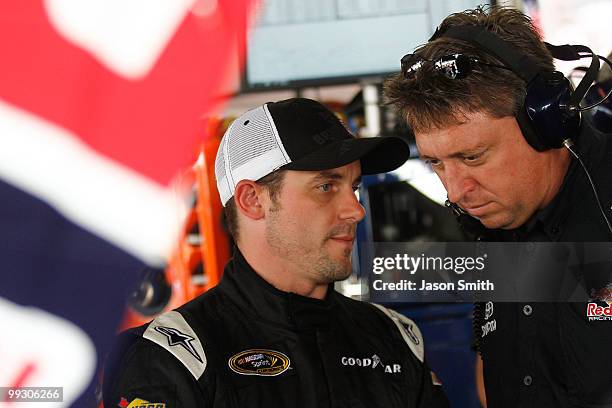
550	113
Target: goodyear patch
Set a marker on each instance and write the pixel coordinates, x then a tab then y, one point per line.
259	362
140	403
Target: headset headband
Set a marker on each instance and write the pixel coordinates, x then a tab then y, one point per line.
522	65
573	53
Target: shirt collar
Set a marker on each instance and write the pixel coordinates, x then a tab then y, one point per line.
550	219
255	295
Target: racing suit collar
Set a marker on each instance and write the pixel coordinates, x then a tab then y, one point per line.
257	296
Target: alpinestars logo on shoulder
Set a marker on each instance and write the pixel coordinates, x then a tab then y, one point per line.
594	309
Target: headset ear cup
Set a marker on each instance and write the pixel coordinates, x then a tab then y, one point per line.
529	133
546	105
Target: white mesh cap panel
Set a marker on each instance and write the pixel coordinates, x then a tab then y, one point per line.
250	149
251	136
223	185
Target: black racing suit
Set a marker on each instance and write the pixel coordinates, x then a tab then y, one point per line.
246	344
544	354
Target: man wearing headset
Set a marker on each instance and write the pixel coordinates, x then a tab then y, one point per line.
497	125
274	332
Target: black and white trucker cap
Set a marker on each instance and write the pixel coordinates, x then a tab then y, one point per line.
297	134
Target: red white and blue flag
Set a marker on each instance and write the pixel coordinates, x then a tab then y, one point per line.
100	102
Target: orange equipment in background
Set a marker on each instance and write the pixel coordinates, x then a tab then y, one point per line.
203	247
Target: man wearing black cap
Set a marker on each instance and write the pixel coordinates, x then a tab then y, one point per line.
274	332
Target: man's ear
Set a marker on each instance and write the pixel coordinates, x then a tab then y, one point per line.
248	199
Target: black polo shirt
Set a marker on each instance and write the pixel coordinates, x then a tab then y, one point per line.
550	354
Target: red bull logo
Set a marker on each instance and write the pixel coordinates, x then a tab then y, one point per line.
604	294
594	310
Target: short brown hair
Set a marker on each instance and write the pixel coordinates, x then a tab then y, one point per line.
273	183
430	100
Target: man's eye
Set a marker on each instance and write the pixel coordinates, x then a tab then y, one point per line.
433	162
325	187
472	158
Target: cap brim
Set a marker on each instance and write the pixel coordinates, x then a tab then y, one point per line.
377	155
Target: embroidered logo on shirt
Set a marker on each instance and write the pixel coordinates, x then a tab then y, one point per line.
488	310
259	362
595	309
177	338
140	403
490	325
373	362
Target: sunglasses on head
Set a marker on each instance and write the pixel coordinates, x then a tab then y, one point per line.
453	66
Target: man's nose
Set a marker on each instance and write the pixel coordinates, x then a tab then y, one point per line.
351	207
458	182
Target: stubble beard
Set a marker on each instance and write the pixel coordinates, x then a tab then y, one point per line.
333	271
316	262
